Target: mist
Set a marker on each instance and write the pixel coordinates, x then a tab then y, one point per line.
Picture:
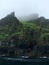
24	7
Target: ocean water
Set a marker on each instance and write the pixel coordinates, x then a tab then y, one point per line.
39	61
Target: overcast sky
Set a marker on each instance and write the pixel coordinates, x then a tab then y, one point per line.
24	7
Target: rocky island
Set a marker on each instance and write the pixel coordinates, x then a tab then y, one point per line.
24	38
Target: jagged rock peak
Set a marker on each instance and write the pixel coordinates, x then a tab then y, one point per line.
12	14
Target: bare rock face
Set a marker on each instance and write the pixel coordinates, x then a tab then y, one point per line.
9	19
12	14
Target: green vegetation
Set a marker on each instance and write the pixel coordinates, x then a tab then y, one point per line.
25	35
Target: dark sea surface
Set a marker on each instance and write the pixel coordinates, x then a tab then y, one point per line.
14	61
